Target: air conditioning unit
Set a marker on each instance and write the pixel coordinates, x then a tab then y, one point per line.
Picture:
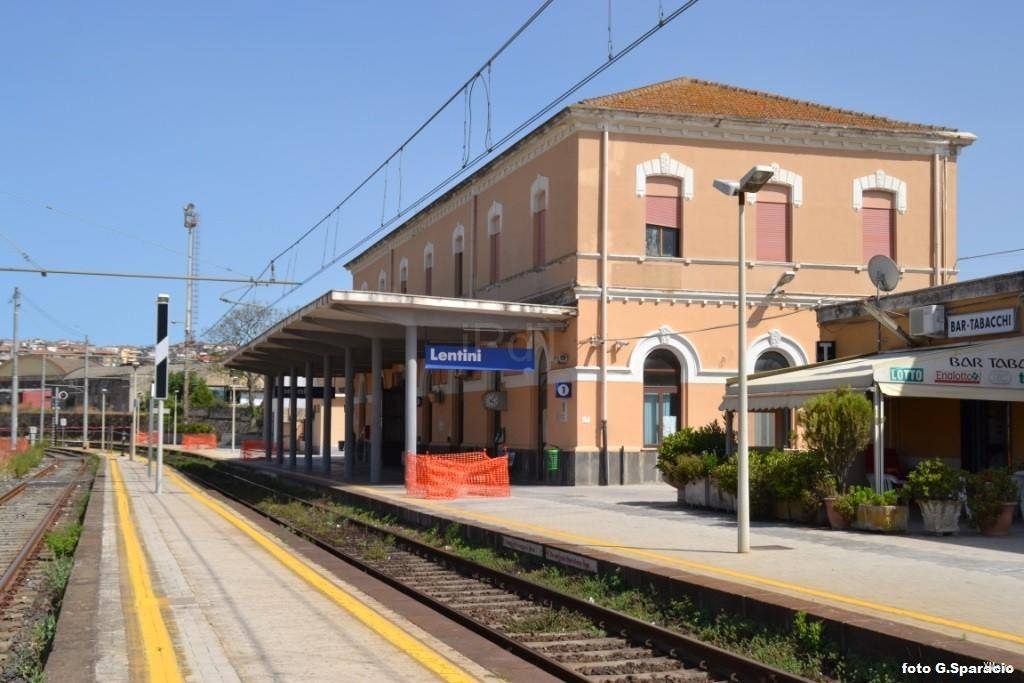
928	321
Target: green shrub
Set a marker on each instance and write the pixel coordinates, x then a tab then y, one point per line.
837	425
196	428
862	495
62	541
762	494
685	469
19	464
795	475
690	453
987	491
934	480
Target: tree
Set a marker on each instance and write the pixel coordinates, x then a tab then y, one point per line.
239	326
199	393
837	426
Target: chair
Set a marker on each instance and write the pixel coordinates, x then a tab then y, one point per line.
889	481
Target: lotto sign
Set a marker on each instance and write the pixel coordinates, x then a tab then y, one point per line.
563	389
906	374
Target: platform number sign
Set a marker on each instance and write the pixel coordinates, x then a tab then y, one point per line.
162	346
563	389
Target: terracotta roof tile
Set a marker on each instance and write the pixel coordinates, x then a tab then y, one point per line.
704	98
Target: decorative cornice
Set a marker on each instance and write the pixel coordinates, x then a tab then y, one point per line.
794	181
664	165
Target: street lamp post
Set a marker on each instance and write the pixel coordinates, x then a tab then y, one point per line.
753	181
234	404
135	412
103	419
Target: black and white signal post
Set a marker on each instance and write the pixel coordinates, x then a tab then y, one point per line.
160	382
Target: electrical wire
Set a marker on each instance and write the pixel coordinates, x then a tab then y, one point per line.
506	138
70	328
991	253
17	247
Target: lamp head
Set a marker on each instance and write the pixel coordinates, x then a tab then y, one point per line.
756	178
785	278
730	188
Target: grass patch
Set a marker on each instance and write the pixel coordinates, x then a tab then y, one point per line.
19	464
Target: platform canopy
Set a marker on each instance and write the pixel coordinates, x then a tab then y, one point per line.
989	371
343	319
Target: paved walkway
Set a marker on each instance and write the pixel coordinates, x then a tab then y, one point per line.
968	586
189	590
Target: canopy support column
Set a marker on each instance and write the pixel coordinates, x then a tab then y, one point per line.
411	377
279	419
307	431
730	434
326	403
376	407
293	417
878	439
350	409
268	429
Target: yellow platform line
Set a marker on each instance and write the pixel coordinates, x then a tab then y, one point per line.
616	547
432	660
161	663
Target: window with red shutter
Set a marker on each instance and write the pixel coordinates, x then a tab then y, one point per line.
664	217
877	218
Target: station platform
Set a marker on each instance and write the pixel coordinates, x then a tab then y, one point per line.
184	586
961	589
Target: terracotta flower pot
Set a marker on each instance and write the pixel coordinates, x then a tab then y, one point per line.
835	520
1000	526
940	516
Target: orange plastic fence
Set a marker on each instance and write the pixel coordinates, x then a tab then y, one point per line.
143	438
450	475
7	452
254	448
198	440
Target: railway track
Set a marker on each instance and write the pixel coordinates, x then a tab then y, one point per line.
29	509
573	639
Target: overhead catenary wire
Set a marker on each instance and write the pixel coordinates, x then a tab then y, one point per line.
543	111
70	328
1003	252
405	143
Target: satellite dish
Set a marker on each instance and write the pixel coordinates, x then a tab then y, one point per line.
884	272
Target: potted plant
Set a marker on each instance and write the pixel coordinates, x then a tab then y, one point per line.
686	459
837	427
991	497
937	488
839	509
793	476
879	511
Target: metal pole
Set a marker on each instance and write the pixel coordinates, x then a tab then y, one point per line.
293	416
326	404
603	314
174	428
411	377
85	413
149	437
103	420
135	415
350	403
307	431
375	409
15	394
160	448
268	415
742	459
56	423
42	403
233	402
279	420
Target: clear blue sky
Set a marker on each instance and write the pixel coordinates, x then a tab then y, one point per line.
265	114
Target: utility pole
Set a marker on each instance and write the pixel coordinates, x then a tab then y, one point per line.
15	395
85	399
135	412
42	402
191	225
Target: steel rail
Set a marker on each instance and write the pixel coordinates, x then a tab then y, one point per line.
7	495
708	658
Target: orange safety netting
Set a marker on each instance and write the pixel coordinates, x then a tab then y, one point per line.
7	451
143	438
450	475
198	440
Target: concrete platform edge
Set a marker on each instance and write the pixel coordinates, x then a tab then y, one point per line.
75	650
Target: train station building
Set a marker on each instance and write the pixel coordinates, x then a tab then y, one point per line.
597	247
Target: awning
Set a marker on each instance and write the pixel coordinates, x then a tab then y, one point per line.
346	319
990	371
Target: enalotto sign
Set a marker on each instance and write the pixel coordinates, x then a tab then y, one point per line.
981	323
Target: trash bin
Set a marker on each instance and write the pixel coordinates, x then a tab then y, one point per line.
551	458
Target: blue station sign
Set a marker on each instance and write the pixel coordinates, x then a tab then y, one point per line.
440	357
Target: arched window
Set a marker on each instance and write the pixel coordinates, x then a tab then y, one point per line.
403	276
382	281
774	224
365	286
428	269
664	216
494	237
878	216
662	400
458	246
771	429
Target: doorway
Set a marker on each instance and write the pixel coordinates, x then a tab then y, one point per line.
984	434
